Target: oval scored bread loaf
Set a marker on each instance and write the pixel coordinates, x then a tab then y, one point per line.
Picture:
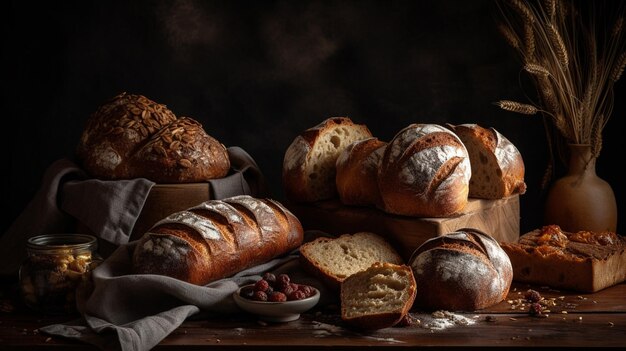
377	297
497	165
465	270
425	172
132	136
309	171
357	172
335	259
217	239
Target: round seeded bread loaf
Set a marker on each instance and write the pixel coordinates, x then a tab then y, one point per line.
132	136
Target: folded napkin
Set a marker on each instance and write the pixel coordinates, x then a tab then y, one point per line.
126	311
108	208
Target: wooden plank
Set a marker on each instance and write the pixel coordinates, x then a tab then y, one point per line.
499	218
598	320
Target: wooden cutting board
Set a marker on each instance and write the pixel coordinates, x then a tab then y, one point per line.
498	218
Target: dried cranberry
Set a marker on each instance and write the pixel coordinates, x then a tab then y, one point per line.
296	295
307	290
259	296
288	289
270	278
261	285
532	295
282	281
277	296
535	309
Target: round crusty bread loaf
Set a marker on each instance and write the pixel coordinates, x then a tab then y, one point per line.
309	164
425	172
497	165
334	259
357	172
132	136
377	297
465	270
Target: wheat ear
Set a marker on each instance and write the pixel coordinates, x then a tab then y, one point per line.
518	107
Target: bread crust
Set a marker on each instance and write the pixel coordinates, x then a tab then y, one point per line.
299	160
357	172
496	162
465	270
217	239
132	136
425	172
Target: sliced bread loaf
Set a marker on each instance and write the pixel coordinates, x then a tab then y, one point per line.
378	297
309	163
335	259
497	165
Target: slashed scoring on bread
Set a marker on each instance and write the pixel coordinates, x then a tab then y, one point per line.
464	270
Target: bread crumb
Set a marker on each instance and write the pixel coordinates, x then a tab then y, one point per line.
611	324
512	319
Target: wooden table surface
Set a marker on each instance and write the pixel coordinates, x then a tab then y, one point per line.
577	320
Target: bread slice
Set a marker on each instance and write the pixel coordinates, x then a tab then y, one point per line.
583	261
497	165
378	297
309	164
335	259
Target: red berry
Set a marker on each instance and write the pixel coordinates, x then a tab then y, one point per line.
535	309
277	296
261	285
259	296
308	290
283	279
296	295
532	295
288	289
270	278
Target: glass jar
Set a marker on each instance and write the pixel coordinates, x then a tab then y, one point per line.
56	266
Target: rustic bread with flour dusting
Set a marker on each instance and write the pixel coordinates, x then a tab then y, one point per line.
131	136
465	270
309	169
357	172
424	172
335	259
377	297
217	238
497	165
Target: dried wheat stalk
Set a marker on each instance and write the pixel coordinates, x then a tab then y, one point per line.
574	56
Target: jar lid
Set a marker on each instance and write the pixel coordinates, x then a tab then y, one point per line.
62	241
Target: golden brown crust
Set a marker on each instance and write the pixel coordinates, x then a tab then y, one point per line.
497	165
424	172
357	172
217	239
132	136
582	261
461	271
308	172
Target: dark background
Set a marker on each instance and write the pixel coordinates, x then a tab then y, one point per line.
257	73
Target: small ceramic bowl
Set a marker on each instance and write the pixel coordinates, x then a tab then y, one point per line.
276	311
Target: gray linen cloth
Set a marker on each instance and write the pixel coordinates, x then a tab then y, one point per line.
127	312
108	208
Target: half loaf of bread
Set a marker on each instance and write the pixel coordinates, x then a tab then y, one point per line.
309	164
378	297
497	165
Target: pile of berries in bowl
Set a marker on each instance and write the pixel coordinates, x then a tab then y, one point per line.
276	298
